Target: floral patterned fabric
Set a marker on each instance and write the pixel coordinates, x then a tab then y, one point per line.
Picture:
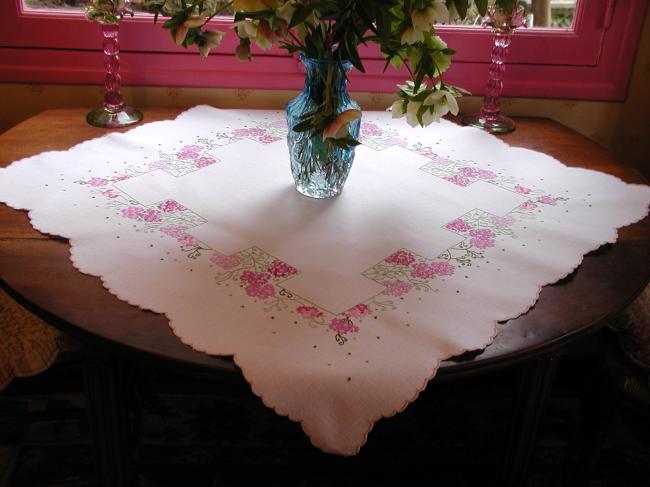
337	311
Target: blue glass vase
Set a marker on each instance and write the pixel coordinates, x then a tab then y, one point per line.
318	167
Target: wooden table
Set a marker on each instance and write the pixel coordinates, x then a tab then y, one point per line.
36	269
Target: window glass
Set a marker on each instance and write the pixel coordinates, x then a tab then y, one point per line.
556	14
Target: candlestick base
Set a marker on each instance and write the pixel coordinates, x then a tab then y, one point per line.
106	118
496	124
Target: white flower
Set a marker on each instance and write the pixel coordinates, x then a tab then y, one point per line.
212	39
245	29
285	12
412	113
397	109
425	18
412	35
443	101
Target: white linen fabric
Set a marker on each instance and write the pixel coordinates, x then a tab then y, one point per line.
337	311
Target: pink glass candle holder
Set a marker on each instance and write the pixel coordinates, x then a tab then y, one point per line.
489	118
114	113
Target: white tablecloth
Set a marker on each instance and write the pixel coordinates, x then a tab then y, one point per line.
337	311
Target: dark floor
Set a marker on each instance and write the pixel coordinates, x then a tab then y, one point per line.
456	433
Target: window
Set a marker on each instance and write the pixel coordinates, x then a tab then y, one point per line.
588	57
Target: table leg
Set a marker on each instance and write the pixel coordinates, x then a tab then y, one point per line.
106	394
535	382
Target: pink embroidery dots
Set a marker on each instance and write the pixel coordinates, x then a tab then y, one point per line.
309	312
547	200
151	216
281	269
402	257
132	212
396	288
343	326
482	239
171	206
120	177
158	165
458	225
423	270
528	205
97	182
249	132
111	193
503	221
522	189
458	180
268	139
175	231
188	241
468	172
369	129
226	262
359	310
190	152
205	161
257	284
486	174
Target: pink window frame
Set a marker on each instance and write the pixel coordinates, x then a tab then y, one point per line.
592	61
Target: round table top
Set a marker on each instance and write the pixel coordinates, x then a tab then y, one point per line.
37	270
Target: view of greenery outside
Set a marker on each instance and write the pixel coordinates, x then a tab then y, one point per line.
561	11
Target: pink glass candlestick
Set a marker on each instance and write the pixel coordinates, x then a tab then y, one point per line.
114	113
489	117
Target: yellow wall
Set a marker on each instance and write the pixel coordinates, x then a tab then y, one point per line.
622	127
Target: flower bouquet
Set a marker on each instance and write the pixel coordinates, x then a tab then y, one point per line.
330	32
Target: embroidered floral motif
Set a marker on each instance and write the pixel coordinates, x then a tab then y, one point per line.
396	288
402	257
309	312
281	269
261	275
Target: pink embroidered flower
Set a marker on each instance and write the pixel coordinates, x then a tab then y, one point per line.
267	139
176	231
111	193
187	155
396	288
158	165
370	129
398	142
486	174
205	161
309	312
522	189
547	200
459	180
170	206
226	262
442	268
120	177
255	278
468	172
241	132
503	221
427	271
151	216
256	131
281	269
458	225
482	239
263	291
343	326
193	148
133	212
359	311
528	205
188	241
402	257
97	182
436	159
